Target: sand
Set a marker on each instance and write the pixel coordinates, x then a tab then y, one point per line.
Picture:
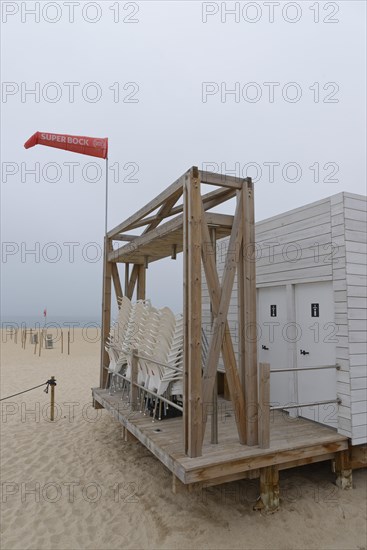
75	484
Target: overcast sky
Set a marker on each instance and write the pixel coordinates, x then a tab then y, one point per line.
155	78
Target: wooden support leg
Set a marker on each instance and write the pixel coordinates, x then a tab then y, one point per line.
177	485
141	290
343	470
128	436
268	501
193	408
106	315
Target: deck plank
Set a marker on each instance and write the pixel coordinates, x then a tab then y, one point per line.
292	442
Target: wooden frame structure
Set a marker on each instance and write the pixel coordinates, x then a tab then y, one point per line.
190	227
189	232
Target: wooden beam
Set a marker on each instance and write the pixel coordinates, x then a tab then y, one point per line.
116	281
127	278
106	314
161	214
214	198
214	415
220	220
115	275
125	237
172	190
186	317
229	359
264	406
220	325
195	412
134	380
214	178
249	269
132	283
141	289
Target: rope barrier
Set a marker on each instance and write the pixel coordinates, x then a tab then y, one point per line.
30	389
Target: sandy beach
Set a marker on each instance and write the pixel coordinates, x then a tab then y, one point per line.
75	484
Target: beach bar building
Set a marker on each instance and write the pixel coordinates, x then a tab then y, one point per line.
232	421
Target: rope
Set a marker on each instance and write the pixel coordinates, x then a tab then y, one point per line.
25	391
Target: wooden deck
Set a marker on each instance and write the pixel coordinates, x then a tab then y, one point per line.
293	442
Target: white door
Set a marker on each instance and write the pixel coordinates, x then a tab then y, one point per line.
316	345
272	348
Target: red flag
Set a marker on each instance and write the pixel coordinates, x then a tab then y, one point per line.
44	313
95	147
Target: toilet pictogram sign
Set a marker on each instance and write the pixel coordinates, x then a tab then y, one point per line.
315	310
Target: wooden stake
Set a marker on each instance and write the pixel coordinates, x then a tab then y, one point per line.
52	412
62	342
39	343
68	342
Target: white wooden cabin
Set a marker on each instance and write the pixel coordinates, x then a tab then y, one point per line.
311	309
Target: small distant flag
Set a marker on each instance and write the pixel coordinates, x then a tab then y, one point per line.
45	313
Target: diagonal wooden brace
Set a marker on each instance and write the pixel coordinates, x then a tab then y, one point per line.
221	340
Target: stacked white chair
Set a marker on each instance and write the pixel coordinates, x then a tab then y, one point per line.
158	336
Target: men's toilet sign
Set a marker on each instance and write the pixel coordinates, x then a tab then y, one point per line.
273	310
315	310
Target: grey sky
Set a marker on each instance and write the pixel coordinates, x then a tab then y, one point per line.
168	53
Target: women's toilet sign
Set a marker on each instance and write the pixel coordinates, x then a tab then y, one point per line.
315	310
273	310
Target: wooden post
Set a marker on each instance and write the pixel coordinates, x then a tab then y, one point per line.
62	342
39	342
52	411
192	312
141	289
250	327
214	418
127	277
106	315
343	470
269	490
133	381
16	336
185	317
30	336
68	342
35	346
264	406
